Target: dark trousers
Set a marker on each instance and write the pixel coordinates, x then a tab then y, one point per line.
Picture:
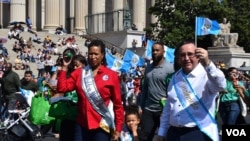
186	134
83	134
40	72
2	109
150	121
11	105
7	104
67	131
48	69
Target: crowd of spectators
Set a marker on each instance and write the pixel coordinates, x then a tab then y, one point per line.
35	49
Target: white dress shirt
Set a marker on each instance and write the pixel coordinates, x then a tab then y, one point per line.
206	84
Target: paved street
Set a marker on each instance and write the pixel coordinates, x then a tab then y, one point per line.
50	137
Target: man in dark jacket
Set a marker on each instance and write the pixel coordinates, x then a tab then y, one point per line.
10	85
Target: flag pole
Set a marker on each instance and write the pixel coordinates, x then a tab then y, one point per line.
195	31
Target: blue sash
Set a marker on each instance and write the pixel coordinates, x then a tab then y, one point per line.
193	105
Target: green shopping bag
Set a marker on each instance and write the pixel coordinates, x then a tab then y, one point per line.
65	109
39	110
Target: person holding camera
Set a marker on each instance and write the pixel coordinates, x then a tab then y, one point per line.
229	108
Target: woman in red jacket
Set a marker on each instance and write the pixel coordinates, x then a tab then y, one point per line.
98	89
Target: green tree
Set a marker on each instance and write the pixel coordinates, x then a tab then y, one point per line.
240	22
176	20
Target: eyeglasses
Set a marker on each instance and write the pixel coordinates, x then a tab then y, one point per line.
189	54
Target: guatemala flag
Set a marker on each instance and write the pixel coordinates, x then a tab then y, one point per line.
205	26
169	52
133	59
148	52
116	64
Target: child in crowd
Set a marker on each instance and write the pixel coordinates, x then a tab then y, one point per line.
131	130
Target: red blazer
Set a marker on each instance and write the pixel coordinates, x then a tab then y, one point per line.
108	85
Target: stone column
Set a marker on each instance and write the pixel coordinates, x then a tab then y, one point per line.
139	14
98	7
118	16
17	10
51	15
81	10
42	13
72	15
153	17
62	13
32	13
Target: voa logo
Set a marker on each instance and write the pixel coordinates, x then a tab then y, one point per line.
236	132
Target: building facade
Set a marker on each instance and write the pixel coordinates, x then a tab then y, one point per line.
79	16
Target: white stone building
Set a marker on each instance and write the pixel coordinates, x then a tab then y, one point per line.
78	15
110	20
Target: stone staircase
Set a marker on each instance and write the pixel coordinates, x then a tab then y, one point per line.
26	35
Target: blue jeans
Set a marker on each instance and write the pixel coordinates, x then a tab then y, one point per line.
229	112
83	134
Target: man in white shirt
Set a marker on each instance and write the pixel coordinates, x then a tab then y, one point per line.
190	107
10	33
15	34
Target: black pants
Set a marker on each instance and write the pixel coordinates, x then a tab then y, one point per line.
67	130
150	122
186	134
40	72
11	105
83	134
1	108
48	69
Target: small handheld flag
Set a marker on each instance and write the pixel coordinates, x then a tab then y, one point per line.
205	26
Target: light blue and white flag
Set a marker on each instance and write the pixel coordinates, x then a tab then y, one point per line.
148	52
133	59
169	52
116	64
205	26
